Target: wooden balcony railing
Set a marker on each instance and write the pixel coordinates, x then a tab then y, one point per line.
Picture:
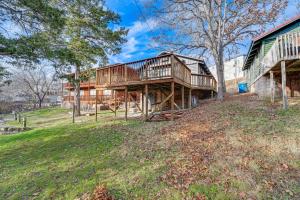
203	81
162	67
285	47
91	98
82	84
158	68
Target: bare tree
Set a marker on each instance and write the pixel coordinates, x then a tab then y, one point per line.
4	77
35	81
215	27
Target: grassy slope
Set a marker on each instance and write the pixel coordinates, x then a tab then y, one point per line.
241	149
264	149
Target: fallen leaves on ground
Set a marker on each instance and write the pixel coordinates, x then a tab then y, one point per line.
208	155
101	193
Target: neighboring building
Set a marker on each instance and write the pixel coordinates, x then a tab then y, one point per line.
233	68
233	73
272	66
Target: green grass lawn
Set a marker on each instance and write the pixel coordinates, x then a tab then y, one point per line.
64	160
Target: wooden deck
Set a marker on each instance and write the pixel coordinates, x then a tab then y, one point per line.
164	84
161	69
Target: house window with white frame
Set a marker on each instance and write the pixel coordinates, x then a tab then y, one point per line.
93	92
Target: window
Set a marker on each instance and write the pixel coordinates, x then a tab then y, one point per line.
81	92
107	92
93	92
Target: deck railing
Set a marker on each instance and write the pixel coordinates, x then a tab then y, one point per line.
82	84
90	98
285	47
162	67
181	71
203	81
157	68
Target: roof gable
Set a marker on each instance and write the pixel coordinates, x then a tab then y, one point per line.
283	28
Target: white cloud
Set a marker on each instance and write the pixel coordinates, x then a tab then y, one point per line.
138	40
142	26
131	45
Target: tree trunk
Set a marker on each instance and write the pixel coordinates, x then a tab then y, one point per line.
77	91
218	56
40	103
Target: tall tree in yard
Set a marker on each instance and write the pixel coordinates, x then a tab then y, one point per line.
88	37
215	26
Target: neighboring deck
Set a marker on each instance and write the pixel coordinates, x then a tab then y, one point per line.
286	48
157	70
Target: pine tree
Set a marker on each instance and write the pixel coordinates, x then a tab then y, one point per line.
36	21
88	37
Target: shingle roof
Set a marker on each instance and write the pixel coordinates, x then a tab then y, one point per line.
261	36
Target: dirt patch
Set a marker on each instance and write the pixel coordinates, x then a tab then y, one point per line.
99	193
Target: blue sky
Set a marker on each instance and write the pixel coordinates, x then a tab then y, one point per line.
141	30
140	43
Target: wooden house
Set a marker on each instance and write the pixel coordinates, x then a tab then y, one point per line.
272	66
158	85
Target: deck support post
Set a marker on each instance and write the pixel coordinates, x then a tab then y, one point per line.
96	109
70	95
172	66
115	102
272	89
146	102
125	73
182	97
89	94
73	115
283	85
126	102
109	75
143	101
190	98
172	100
